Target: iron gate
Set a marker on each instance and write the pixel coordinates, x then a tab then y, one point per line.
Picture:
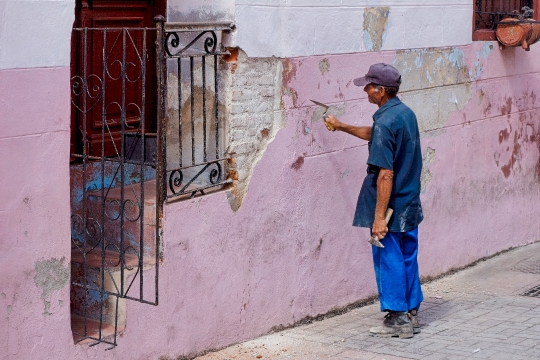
132	154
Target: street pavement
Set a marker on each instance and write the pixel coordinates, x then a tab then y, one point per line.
476	313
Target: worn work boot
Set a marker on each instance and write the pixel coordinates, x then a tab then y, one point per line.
394	324
414	321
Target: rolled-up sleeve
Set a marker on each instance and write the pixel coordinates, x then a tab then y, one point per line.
382	147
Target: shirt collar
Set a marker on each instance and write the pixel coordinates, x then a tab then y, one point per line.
390	103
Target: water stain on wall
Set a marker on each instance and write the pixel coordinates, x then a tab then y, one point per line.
51	275
375	21
202	13
298	163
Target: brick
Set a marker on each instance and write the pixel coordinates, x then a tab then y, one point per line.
267	92
237	109
266	80
237	135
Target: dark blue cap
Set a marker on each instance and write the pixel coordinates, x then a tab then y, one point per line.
380	74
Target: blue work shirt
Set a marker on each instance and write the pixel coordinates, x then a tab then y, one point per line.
394	145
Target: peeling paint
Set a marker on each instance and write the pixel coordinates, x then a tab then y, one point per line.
481	55
435	84
289	73
324	66
516	144
51	275
506	108
432	67
375	21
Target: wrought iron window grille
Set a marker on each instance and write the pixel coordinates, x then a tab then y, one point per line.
192	58
489	13
122	173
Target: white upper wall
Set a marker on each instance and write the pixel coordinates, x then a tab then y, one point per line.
290	28
35	33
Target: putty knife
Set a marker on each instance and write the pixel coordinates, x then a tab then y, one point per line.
326	107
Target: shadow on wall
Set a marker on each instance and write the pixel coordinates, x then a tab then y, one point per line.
193	136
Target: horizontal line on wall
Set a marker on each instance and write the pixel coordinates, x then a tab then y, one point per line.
479	120
33	135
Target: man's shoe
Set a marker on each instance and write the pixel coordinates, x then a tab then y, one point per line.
394	324
414	321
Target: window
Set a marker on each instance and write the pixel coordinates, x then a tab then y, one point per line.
488	13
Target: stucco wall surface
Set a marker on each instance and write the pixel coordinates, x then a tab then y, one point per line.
302	28
35	33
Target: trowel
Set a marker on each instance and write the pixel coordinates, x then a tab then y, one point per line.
375	240
326	107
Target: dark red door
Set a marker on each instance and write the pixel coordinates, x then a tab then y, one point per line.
118	67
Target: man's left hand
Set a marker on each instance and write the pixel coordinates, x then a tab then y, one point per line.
379	228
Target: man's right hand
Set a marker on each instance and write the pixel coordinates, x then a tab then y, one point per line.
332	123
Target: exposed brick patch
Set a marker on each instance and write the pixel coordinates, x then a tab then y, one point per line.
253	99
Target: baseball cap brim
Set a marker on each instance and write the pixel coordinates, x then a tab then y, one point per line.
361	81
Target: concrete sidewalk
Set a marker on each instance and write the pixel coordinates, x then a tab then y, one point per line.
477	313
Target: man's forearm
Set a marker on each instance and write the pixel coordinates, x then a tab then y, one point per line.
384	190
362	132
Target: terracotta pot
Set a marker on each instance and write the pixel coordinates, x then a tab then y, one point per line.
512	32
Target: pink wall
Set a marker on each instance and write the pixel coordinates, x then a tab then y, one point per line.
34	212
290	251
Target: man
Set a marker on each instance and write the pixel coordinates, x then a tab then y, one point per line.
392	181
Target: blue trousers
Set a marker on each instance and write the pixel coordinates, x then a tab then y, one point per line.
396	271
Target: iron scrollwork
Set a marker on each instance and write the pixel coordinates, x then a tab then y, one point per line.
85	234
79	87
172	42
176	178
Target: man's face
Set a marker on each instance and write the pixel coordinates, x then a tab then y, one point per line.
374	95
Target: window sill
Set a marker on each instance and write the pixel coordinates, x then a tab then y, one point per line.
484	35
